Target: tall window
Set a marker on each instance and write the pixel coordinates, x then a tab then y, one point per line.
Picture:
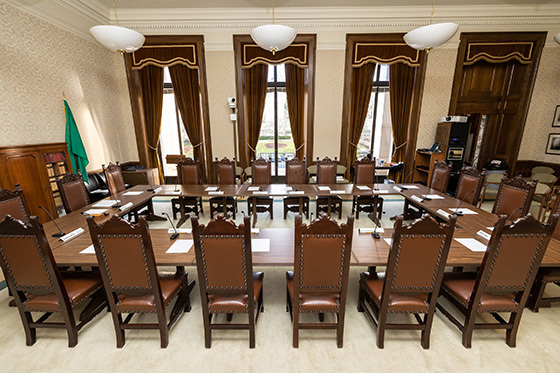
275	140
377	134
173	138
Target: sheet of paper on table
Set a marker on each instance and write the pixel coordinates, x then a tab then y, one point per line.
490	228
324	188
132	193
363	187
252	189
218	192
338	192
180	247
211	189
433	196
260	245
255	230
389	241
173	192
409	186
96	212
107	203
261	192
465	211
472	244
296	192
381	191
88	250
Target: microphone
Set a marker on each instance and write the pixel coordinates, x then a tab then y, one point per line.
375	234
513	212
151	188
117	204
426	198
405	179
457	212
60	232
176	234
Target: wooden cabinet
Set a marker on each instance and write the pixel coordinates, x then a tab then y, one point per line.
424	166
34	168
141	176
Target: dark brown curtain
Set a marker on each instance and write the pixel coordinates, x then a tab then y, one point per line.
295	93
256	81
360	95
401	92
151	86
187	96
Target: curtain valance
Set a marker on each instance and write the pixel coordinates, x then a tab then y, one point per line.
296	54
499	52
385	53
165	56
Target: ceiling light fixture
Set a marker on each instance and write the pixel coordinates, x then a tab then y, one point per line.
557	38
116	38
431	36
273	37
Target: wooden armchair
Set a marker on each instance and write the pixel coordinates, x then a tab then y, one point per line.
188	173
73	191
12	202
364	173
261	175
319	281
412	281
503	282
470	184
514	197
228	284
440	176
296	173
131	279
326	175
226	175
39	287
114	178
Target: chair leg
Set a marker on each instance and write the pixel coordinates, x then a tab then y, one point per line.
536	295
382	320
321	317
30	333
511	334
229	317
340	331
251	315
71	329
207	330
468	330
285	211
428	319
119	331
361	298
295	328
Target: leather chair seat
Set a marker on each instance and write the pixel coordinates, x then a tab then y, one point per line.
397	302
460	285
549	274
314	302
235	303
79	286
170	284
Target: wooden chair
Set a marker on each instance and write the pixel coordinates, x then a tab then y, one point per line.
12	202
492	180
228	284
440	176
319	281
131	279
39	287
326	174
226	175
188	173
296	173
412	280
261	175
73	191
514	194
542	170
470	184
364	173
114	178
544	191
503	282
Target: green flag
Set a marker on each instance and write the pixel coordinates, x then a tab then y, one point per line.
78	156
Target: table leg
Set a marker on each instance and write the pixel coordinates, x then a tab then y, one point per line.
373	215
224	206
183	218
329	205
254	212
300	200
151	216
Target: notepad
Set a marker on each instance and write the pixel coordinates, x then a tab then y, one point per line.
444	213
324	188
180	247
68	236
362	187
251	189
218	192
211	189
132	193
95	212
370	230
389	241
126	207
260	245
472	244
464	211
484	235
417	199
180	230
107	203
88	250
296	192
398	189
409	186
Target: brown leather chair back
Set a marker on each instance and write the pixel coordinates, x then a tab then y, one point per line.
188	172
440	176
261	172
470	181
73	192
296	173
555	209
364	171
223	257
514	194
322	257
326	171
225	171
417	257
114	178
12	202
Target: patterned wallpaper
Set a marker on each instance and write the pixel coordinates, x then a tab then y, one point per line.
40	61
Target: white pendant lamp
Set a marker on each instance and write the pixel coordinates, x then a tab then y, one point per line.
557	38
273	37
116	38
431	36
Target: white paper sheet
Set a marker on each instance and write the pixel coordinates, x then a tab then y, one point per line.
370	230
106	203
324	188
218	192
173	192
490	228
410	186
88	250
255	230
260	192
260	245
389	241
434	196
132	193
252	189
180	230
362	187
95	211
68	236
211	189
381	191
338	192
180	247
472	244
296	192
465	211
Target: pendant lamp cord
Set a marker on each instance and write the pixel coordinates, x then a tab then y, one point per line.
272	11
115	9
431	19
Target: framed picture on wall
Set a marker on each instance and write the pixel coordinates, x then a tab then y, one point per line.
556	120
553	144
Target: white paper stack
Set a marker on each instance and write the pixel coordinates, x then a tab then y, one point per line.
107	203
434	196
211	189
324	188
472	244
338	192
252	189
381	191
95	211
362	187
218	192
180	247
296	192
260	245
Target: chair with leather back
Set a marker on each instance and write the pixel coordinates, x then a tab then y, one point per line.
412	280
39	287
319	282
114	178
12	202
228	284
503	282
296	173
514	194
226	175
326	175
261	175
470	185
73	191
440	176
188	173
132	282
364	174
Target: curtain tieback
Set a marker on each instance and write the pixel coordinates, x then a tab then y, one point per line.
400	146
250	147
354	145
151	147
300	146
199	144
